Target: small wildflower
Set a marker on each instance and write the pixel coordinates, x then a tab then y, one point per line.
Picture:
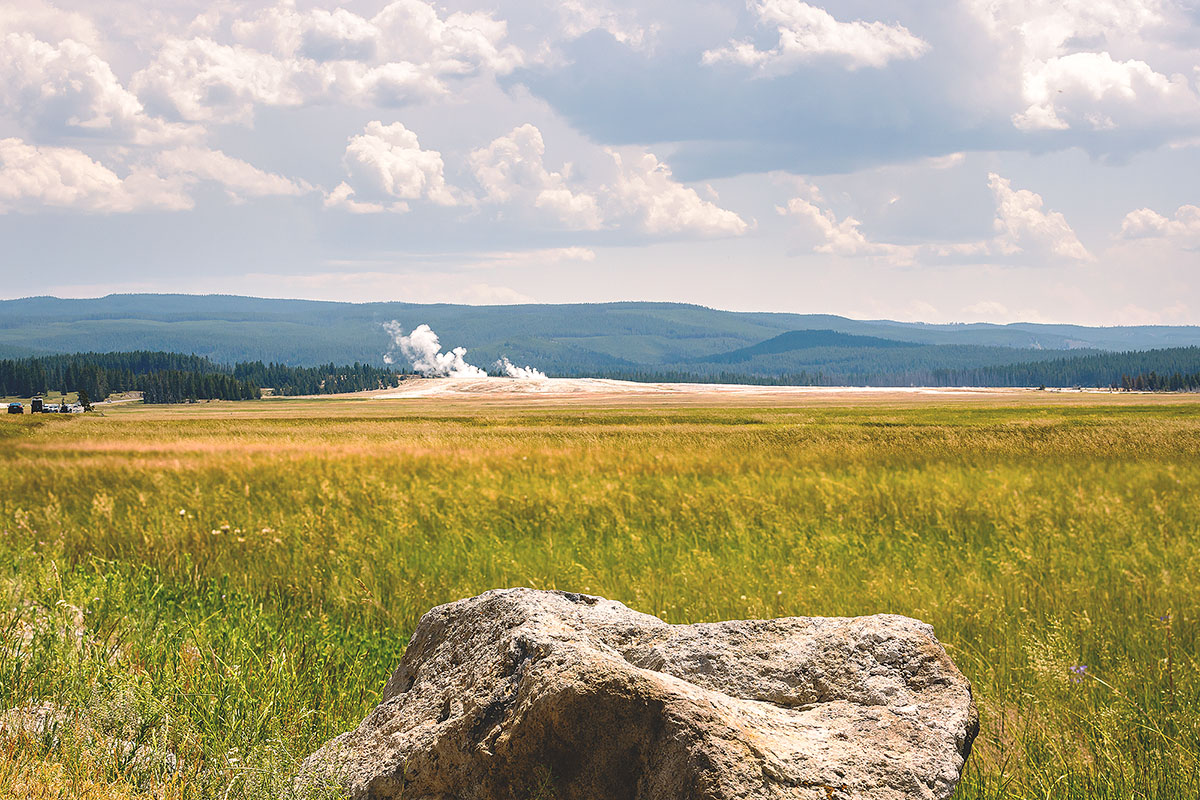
225	527
241	538
1079	672
276	540
215	532
182	512
743	597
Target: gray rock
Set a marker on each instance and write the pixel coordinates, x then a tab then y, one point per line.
528	695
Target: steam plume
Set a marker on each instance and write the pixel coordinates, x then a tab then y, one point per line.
513	371
424	350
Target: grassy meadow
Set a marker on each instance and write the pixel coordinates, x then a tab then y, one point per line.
204	594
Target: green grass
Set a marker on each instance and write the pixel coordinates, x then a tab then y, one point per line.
226	593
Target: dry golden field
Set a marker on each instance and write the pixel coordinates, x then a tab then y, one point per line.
205	593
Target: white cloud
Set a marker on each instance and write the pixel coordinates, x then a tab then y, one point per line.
1182	228
37	177
46	22
342	196
807	32
948	161
549	256
201	80
659	204
240	179
1093	90
484	294
34	178
1022	225
513	166
1023	229
641	195
387	165
286	57
841	237
1069	75
66	89
583	17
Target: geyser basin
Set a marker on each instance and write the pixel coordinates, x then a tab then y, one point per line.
517	691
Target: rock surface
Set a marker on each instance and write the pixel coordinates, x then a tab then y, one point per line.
520	694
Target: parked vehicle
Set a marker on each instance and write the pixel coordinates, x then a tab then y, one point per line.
36	406
16	408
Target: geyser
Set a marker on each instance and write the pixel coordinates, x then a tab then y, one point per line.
424	350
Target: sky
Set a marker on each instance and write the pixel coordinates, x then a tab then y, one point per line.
969	160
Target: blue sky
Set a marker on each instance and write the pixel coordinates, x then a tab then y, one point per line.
993	160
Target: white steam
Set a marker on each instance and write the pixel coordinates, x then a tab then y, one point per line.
424	350
513	371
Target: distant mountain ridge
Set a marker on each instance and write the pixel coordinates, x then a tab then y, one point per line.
804	340
605	338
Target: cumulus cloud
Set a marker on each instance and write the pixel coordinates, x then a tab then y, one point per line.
841	237
63	89
386	164
1069	76
342	196
513	166
239	178
1023	229
1182	228
646	190
807	32
34	178
202	80
46	22
641	194
580	18
287	57
1022	225
1095	91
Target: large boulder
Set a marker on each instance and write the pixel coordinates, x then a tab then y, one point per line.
520	694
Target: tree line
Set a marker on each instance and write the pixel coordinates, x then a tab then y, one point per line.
1153	382
324	379
1174	369
177	378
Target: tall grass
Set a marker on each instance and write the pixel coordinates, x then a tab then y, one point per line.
205	600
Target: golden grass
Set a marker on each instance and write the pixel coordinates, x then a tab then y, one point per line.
246	574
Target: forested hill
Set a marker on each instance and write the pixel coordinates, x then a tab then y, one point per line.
560	339
1173	369
804	340
174	377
